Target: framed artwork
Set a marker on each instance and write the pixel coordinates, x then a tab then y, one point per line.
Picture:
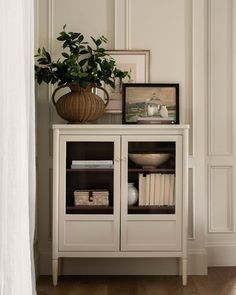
149	103
136	62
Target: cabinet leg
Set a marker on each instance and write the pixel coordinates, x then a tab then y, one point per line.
54	271
184	271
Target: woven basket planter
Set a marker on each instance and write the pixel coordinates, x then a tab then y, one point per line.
80	105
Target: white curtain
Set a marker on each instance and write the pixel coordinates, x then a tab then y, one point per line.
17	147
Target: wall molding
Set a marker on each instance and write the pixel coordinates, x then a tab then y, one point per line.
234	72
192	231
221	254
189	31
116	23
122	24
228	197
128	23
51	6
211	102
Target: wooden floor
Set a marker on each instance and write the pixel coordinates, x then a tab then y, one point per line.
220	280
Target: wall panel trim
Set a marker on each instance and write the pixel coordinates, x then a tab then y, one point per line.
210	104
212	228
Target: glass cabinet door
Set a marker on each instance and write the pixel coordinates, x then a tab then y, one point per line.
89	200
151	197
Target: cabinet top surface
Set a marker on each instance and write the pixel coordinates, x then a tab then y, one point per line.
118	127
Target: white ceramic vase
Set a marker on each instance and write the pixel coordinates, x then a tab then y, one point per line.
132	194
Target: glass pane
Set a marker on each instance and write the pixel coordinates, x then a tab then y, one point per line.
151	178
89	177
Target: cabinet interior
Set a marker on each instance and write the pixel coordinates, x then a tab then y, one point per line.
95	178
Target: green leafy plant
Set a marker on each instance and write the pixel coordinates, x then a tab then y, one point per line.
81	64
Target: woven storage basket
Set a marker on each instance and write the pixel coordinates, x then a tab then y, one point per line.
91	198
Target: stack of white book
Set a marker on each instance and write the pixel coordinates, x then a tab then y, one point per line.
91	164
156	189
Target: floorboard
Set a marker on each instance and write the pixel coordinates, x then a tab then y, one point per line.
220	281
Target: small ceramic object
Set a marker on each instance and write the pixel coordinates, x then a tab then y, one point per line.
153	105
164	111
132	194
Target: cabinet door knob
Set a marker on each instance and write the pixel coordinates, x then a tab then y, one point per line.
124	159
117	159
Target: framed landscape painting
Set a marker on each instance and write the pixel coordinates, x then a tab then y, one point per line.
150	103
136	62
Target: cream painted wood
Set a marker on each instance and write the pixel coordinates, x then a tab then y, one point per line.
89	235
101	235
136	232
143	235
77	231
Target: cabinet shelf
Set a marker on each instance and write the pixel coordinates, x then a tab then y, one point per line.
90	170
151	209
89	209
160	170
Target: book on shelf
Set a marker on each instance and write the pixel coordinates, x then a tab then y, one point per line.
172	190
140	189
162	185
144	188
147	191
152	189
166	189
157	189
92	164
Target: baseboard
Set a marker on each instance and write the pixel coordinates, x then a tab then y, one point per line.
126	266
221	254
197	262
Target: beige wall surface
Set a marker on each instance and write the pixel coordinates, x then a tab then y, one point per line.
191	42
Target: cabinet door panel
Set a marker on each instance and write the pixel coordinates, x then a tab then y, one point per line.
151	236
86	235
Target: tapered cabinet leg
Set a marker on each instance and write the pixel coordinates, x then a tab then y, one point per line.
54	271
184	271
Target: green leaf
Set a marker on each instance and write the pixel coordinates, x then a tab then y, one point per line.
81	38
66	55
98	42
93	40
90	50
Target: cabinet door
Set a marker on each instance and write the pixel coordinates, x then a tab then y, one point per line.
89	193
153	165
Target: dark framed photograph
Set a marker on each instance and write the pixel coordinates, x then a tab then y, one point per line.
150	103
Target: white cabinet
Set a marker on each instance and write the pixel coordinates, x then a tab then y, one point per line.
93	158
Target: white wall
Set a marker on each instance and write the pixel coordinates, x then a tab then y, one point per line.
191	42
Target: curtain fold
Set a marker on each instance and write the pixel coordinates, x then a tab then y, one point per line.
17	148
